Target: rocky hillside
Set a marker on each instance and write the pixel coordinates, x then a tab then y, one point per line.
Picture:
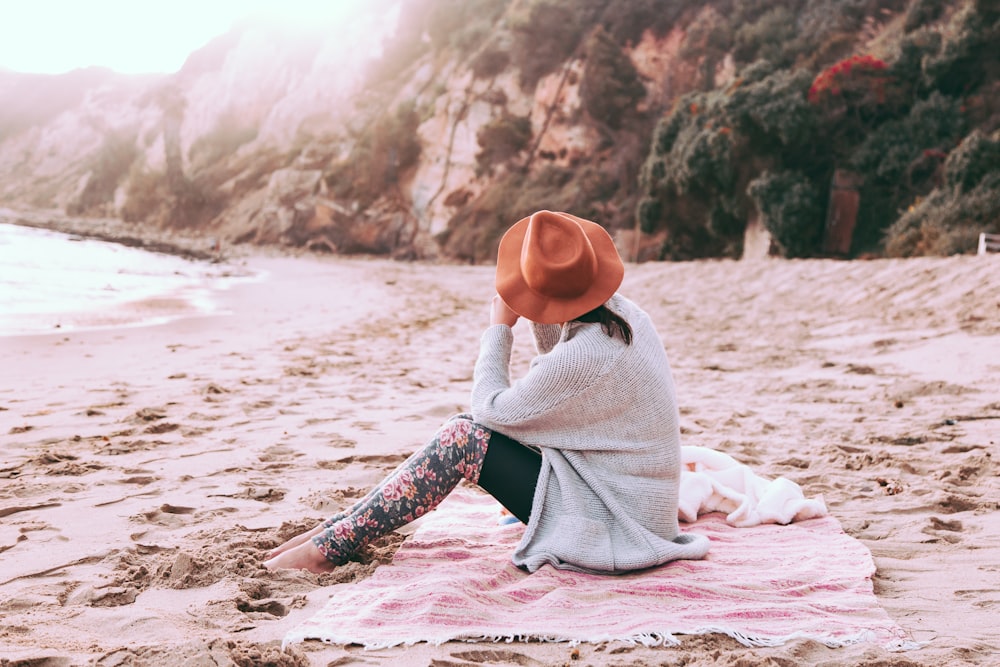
425	128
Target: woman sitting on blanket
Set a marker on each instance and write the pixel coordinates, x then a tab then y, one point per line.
584	449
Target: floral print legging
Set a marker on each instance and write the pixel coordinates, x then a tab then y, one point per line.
410	491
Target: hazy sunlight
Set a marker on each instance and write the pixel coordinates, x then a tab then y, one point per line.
55	36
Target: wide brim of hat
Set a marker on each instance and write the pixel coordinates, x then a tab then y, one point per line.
536	307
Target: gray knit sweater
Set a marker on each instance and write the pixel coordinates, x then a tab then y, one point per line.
605	417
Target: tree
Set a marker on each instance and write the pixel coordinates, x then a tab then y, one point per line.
502	139
610	89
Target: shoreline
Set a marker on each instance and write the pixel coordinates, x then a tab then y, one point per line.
113	230
67	278
146	471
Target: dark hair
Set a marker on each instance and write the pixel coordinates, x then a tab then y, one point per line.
610	322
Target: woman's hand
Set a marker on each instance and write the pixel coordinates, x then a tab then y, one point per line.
500	313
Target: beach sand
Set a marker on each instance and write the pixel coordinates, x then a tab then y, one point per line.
145	471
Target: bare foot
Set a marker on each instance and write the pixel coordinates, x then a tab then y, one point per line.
306	556
295	541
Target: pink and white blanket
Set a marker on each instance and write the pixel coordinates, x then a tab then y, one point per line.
761	583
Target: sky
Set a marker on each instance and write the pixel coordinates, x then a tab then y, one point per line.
135	36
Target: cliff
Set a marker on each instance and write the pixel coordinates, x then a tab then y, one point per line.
422	129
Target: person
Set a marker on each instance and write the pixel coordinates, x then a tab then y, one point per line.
584	448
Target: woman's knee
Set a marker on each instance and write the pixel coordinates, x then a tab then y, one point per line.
463	442
456	430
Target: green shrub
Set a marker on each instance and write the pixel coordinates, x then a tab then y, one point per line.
489	62
669	126
434	25
968	53
474	231
384	150
975	158
887	153
649	212
947	223
791	209
545	39
501	140
922	12
150	199
107	169
687	182
702	161
772	111
228	135
951	218
900	160
144	196
610	88
707	40
627	20
462	25
907	65
766	38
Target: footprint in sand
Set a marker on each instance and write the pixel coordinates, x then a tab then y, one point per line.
502	657
7	511
213	392
313	421
330	502
118	447
107	595
146	415
337	440
279	453
371	460
261	604
139	480
201	416
164	427
365	426
152	416
170	516
947	531
955	503
262	493
73	468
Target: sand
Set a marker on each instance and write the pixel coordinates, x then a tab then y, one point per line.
145	471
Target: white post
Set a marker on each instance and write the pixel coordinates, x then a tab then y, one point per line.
982	244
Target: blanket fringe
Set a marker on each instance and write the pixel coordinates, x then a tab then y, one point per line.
894	645
646	639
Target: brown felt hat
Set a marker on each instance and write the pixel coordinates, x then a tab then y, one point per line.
553	267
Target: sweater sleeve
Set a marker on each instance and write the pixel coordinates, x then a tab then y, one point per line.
493	365
538	403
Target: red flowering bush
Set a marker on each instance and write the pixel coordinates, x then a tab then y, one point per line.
857	75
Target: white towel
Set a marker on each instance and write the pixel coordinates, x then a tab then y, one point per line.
712	481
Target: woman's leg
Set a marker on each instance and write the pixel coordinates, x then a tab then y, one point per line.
510	474
375	491
460	449
323	525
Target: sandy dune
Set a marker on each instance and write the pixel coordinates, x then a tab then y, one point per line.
144	471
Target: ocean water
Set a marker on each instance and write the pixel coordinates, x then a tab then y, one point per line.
52	283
